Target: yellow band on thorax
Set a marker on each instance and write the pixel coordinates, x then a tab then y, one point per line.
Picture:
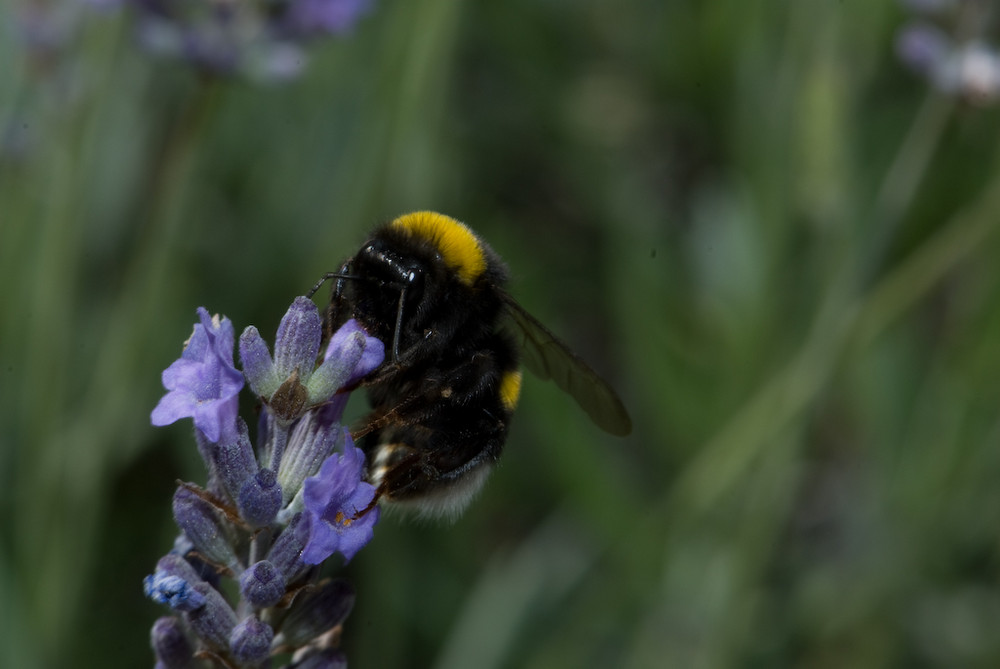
460	249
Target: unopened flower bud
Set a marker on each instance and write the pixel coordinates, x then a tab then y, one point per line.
250	641
233	460
344	353
317	611
172	647
200	523
214	622
286	553
328	658
258	367
260	498
262	584
296	344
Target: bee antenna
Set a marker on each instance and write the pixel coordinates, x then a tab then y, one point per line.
344	274
326	277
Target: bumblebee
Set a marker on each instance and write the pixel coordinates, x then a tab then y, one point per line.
442	400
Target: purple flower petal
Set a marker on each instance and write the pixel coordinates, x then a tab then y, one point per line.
323	541
337	478
371	357
336	368
350	355
333	500
173	591
174	584
203	383
922	47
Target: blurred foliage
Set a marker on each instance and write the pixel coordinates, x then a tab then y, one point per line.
775	241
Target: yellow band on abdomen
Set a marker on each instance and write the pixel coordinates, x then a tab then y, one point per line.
510	389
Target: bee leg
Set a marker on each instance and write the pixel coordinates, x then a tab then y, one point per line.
378	419
399	326
391	367
429	471
379	491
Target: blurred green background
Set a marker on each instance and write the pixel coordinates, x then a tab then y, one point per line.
775	240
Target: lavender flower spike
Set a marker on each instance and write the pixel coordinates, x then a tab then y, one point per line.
265	518
203	383
333	500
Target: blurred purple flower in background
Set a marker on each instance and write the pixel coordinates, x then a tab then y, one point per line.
315	17
948	45
260	39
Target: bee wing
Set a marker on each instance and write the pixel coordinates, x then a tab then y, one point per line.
547	357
